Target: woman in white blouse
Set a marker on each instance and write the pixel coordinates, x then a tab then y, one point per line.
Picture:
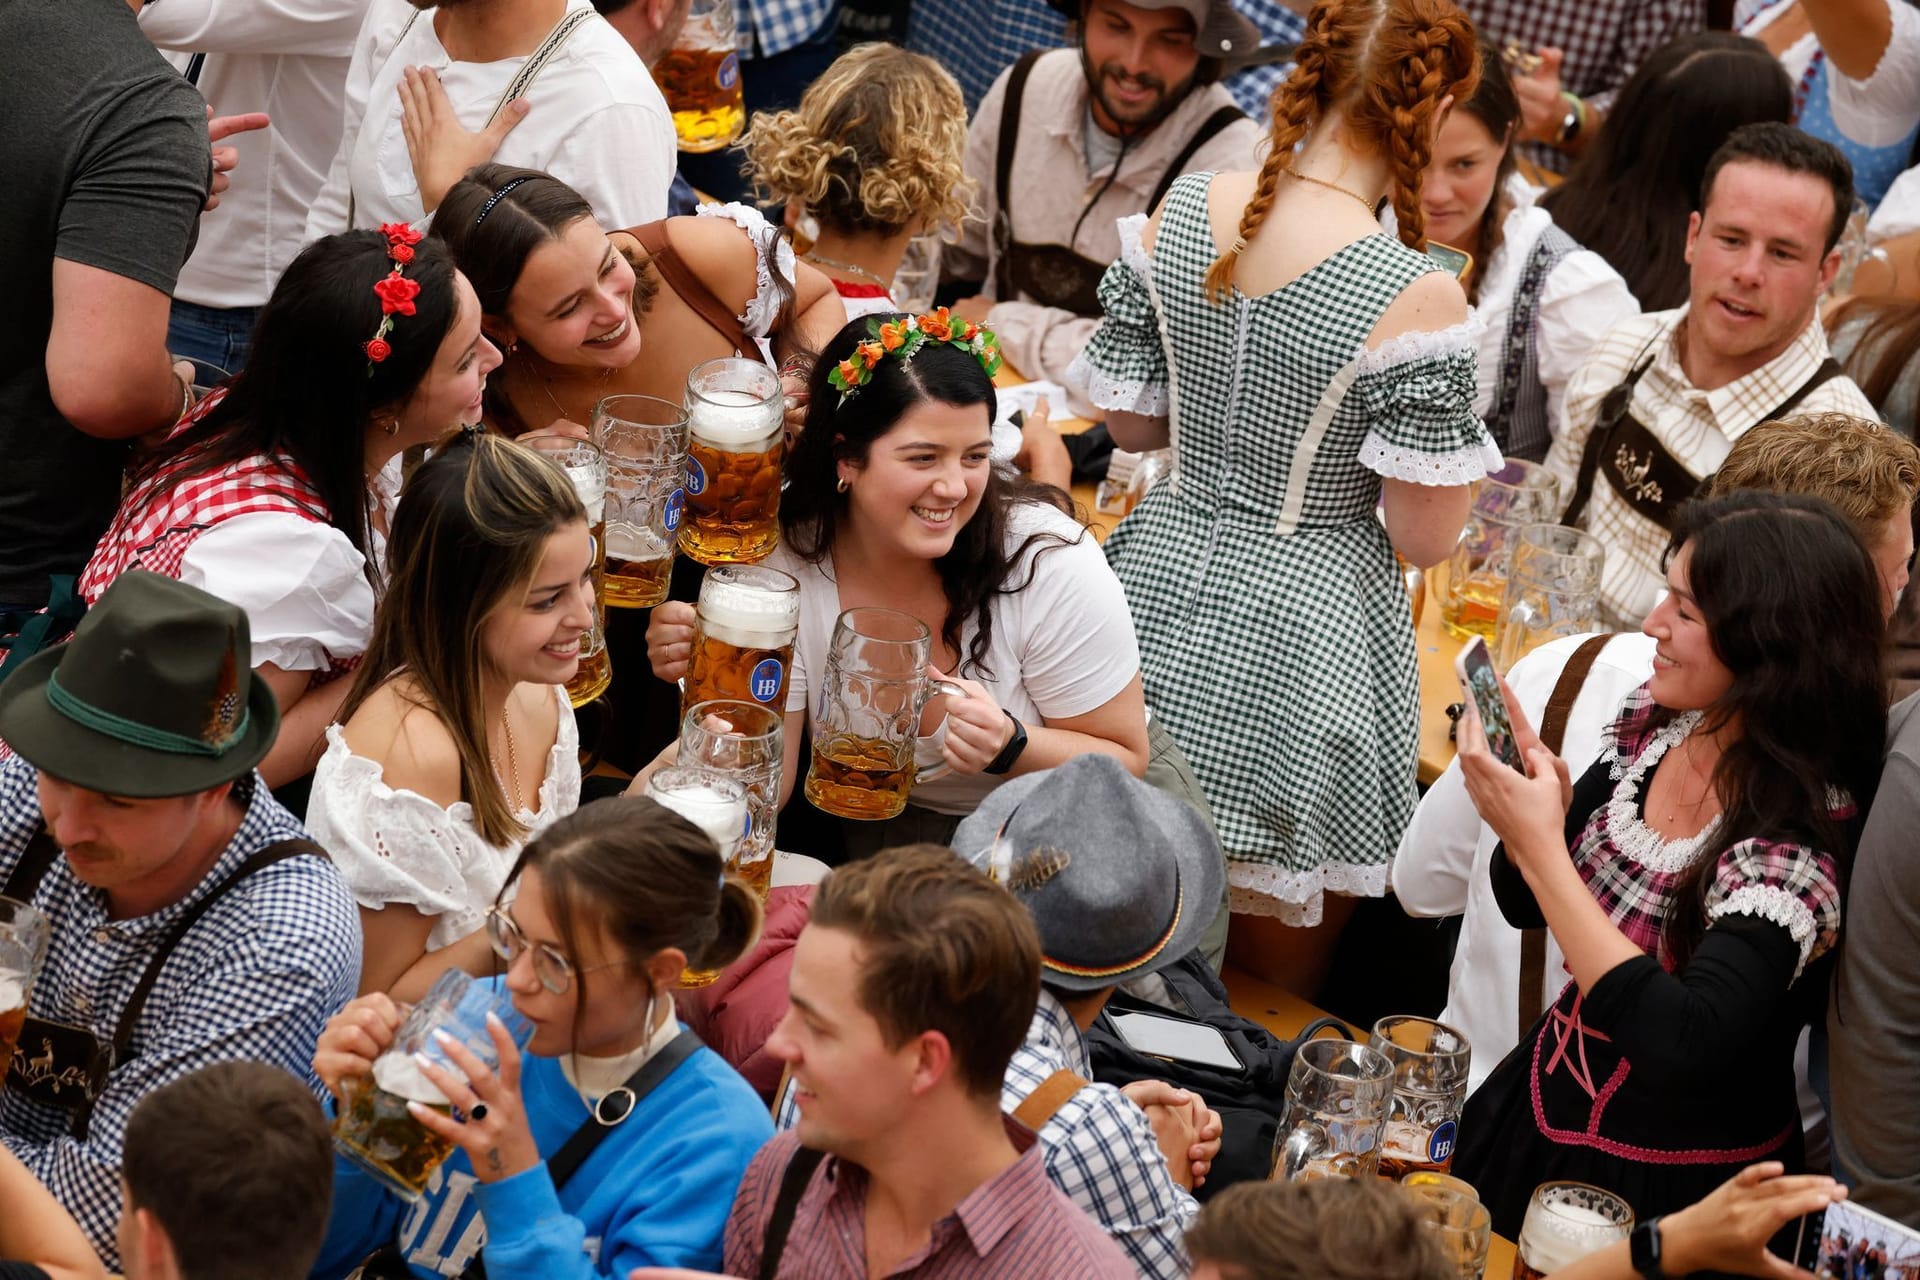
457	741
1542	301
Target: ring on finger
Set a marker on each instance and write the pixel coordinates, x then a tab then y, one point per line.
478	1111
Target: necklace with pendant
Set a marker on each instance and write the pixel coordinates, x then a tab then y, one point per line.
1332	186
821	260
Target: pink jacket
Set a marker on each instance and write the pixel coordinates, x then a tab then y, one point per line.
740	1010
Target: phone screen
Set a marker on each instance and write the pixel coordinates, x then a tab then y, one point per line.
1457	261
1475	666
1176	1038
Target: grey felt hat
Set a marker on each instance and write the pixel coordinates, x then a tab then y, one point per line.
1121	877
1220	30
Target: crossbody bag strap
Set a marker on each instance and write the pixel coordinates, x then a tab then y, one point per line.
1003	173
793	1185
691	289
1045	1102
1209	129
1829	370
35	860
1553	732
1612	409
537	61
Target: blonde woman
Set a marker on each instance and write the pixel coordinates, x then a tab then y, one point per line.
1323	369
874	155
456	742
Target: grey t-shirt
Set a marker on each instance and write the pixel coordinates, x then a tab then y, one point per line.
107	166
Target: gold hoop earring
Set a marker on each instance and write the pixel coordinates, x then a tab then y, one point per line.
842	486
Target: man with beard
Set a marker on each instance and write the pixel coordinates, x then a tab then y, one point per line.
1069	141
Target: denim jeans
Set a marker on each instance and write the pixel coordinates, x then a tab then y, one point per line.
216	339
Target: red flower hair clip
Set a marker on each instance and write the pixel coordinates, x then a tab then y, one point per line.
395	291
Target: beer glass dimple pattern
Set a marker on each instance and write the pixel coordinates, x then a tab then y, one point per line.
645	442
735	445
1553	590
24	934
1565	1222
1518	493
715	804
700	79
1429	1092
744	629
1461	1224
746	742
586	466
374	1128
1337	1095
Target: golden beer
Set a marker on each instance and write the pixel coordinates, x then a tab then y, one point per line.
1472	608
13	1016
861	778
593	677
733	500
757	874
702	89
376	1131
721	668
1521	1271
639	567
1405	1149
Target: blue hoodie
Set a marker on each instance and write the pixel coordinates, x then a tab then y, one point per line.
654	1193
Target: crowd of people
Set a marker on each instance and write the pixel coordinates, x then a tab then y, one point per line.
292	587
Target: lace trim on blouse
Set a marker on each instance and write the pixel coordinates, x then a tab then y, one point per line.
1133	249
1420	344
1456	467
1777	905
1627	831
1149	399
764	310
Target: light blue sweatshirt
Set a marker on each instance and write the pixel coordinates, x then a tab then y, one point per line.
654	1193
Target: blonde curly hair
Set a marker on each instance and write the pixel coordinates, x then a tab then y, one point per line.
878	140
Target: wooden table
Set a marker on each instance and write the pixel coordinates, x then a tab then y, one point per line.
1283	1013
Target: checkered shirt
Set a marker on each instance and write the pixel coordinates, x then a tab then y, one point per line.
1699	428
1253	88
767	27
1100	1149
1633	872
976	42
1604	40
256	978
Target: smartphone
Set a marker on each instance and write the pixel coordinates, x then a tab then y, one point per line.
1180	1039
1854	1241
1475	668
1458	261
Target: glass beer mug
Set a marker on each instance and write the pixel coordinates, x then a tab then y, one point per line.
866	714
1336	1110
1565	1222
24	936
700	79
645	442
586	466
1518	493
1553	590
743	633
746	742
1429	1092
718	806
736	439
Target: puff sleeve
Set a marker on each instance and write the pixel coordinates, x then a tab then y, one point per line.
1417	392
1789	885
1124	366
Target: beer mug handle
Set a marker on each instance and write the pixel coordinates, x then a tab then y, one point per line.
1519	621
1298	1149
935	688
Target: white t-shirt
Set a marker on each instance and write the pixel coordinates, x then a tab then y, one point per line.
597	123
288	58
1063	644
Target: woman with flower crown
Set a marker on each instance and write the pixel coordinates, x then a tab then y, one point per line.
270	492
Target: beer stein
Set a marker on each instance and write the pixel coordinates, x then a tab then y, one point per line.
718	806
1336	1108
1553	590
736	439
746	742
1565	1222
24	935
1517	493
645	441
743	633
374	1128
700	79
866	714
1429	1092
1855	249
586	466
1457	1219
919	274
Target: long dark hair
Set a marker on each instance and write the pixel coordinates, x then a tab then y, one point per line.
1495	106
978	566
1628	197
1887	343
306	392
1791	601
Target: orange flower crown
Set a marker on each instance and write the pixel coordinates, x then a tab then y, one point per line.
904	338
395	291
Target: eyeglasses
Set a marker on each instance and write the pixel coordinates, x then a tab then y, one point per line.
550	966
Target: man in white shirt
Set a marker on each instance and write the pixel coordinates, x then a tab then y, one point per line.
287	58
1665	396
594	118
1871	474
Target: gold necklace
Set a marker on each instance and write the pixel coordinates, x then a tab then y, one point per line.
511	790
821	260
546	384
1332	186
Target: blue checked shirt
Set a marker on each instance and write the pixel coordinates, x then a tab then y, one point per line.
1253	88
977	41
767	27
255	978
1100	1148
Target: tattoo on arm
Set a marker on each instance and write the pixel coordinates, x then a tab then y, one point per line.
494	1165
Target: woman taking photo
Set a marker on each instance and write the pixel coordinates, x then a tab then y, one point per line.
1692	877
457	741
271	493
600	915
1543	300
1323	371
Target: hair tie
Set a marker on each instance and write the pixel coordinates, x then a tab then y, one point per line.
496	198
1239	247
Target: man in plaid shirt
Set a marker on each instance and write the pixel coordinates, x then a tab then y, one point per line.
132	819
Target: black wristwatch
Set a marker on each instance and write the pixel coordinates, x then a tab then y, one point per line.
1643	1250
1011	752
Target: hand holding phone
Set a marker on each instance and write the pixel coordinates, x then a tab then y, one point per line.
1474	666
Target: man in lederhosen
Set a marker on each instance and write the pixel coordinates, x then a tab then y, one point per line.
1069	140
189	919
1664	396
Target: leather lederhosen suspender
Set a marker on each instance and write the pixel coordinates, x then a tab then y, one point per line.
1056	275
1638	466
692	290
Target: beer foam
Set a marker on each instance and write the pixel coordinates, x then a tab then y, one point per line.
402	1077
734	421
13	992
749	616
631	542
1561	1235
722	817
592	488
